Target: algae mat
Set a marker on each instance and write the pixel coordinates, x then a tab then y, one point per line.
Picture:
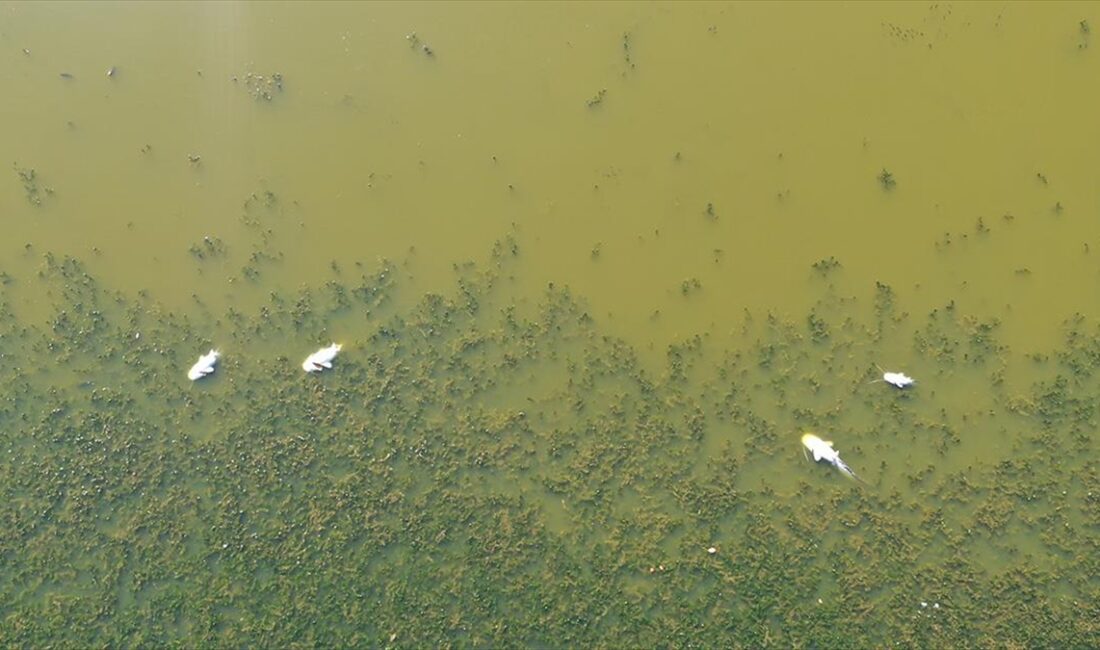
595	268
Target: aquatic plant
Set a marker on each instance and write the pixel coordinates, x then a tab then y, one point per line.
487	471
263	87
30	180
886	179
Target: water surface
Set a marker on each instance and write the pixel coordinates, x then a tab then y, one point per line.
596	268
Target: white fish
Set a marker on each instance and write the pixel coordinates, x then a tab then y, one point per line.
321	359
823	450
895	379
898	379
204	366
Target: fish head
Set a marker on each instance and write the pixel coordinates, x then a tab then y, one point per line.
815	445
821	449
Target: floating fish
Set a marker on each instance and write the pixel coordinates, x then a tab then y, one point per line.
823	450
321	359
895	379
898	379
204	366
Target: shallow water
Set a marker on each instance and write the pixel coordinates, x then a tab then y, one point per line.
596	268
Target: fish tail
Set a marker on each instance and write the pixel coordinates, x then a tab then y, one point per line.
847	471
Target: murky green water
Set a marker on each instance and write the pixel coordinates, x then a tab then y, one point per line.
596	268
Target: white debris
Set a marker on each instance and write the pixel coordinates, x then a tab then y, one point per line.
712	550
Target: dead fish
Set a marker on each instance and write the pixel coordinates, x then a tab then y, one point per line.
896	379
823	450
204	366
321	359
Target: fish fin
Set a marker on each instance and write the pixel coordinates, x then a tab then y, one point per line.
327	364
817	455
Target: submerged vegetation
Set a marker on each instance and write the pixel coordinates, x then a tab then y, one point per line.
31	188
417	44
596	99
263	87
886	179
485	471
208	247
